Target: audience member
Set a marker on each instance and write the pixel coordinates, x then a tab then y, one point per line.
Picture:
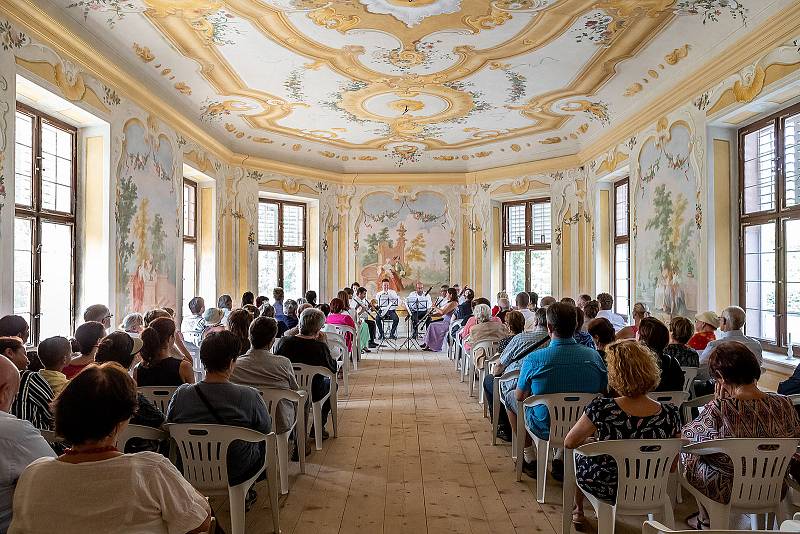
739	410
485	328
87	336
225	304
606	302
132	324
324	308
15	326
515	322
277	298
290	318
252	310
546	301
267	310
260	301
193	325
533	297
583	338
94	486
123	349
306	348
654	334
259	367
705	326
441	318
472	320
33	400
503	307
212	322
522	300
501	296
20	442
590	311
583	300
338	316
296	329
54	353
98	313
248	298
155	313
731	323
602	333
562	367
465	305
632	374
311	298
158	368
216	400
639	312
568	300
239	325
680	331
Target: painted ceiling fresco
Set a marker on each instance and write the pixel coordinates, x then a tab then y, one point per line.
414	85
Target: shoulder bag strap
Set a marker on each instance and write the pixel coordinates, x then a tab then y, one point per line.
533	348
210	408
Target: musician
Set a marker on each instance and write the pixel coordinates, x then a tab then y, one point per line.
418	303
441	300
363	307
388	300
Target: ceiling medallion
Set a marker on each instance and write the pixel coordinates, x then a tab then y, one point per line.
411	12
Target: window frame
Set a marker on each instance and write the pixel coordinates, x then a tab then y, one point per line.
779	215
280	248
620	239
37	215
529	246
191	238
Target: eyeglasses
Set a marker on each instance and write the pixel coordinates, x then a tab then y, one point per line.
109	316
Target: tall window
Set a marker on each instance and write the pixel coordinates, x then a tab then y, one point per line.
189	243
622	272
526	246
44	223
281	247
769	239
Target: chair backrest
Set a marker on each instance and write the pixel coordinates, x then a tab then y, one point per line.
305	374
643	467
50	436
139	431
204	452
158	395
689	374
697	402
795	399
340	329
759	467
485	349
676	398
564	408
273	396
337	346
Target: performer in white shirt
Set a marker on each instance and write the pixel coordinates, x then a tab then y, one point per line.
418	304
388	300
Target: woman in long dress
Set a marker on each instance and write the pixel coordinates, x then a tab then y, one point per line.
437	330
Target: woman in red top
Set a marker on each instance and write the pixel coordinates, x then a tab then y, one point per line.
87	336
705	325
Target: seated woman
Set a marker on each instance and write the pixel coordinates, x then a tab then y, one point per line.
486	328
654	335
437	330
590	311
290	318
632	373
582	336
212	322
639	312
472	320
158	367
132	324
87	335
515	322
737	404
32	402
681	330
340	316
502	297
82	490
216	400
602	332
239	324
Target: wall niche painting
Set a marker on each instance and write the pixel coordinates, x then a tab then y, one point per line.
405	239
667	224
147	224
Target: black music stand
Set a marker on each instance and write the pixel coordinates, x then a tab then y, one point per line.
412	333
385	302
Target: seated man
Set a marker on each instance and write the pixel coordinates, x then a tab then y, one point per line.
511	359
418	303
192	325
307	348
388	300
522	302
32	403
606	302
563	367
20	442
99	313
731	323
705	325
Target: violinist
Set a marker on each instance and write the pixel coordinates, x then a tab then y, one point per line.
363	307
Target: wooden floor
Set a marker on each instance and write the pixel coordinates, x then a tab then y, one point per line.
413	455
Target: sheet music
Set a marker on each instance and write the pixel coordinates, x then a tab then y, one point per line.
387	301
418	303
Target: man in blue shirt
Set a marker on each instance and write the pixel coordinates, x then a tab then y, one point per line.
563	367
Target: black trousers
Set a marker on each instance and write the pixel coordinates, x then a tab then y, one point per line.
416	317
371	328
502	422
391	314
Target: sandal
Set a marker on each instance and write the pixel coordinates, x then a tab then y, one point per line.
578	521
695	523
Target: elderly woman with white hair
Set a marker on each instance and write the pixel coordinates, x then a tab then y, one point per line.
486	328
307	348
132	324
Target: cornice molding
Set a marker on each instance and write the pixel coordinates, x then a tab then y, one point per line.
39	23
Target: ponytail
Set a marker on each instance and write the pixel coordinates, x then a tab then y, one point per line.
155	338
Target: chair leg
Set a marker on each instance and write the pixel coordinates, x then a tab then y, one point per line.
272	490
346	372
719	516
668	517
481	378
606	518
542	456
237	494
283	461
495	410
317	411
335	416
301	436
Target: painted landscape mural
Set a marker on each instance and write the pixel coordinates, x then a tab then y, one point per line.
147	225
403	239
667	222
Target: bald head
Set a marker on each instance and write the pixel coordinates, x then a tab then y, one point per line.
9	383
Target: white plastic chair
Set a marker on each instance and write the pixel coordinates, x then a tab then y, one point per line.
676	398
272	398
760	466
204	455
697	402
50	436
305	375
341	355
354	346
791	525
643	468
489	349
689	374
139	431
654	527
497	401
158	395
565	409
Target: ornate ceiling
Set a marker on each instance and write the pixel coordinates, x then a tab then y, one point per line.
414	85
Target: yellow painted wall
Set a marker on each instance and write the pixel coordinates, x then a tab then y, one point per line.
722	222
604	244
496	244
244	257
566	261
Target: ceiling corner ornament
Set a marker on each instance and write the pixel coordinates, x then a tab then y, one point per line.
412	13
611	163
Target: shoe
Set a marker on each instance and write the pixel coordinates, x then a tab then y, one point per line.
250	500
366	351
423	346
296	457
373	345
558	469
504	435
325	434
529	468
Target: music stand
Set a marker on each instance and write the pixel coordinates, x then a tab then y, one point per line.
386	302
414	306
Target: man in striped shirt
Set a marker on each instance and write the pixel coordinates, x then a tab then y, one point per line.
33	400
